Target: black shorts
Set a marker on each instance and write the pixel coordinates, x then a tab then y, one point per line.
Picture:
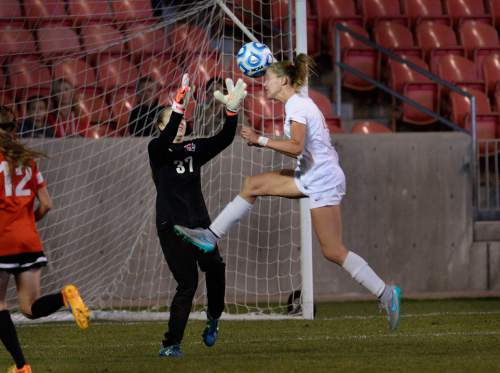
22	262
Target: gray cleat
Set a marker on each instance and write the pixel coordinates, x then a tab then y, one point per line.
200	237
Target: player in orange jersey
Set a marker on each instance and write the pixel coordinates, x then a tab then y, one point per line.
21	252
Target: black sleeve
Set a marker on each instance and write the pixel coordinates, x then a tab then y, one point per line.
210	147
158	147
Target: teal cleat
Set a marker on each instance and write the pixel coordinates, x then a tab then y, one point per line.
171	351
200	237
392	307
211	332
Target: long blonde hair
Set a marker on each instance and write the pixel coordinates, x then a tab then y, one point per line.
14	152
297	71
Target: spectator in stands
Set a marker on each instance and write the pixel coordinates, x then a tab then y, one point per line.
142	118
65	116
36	122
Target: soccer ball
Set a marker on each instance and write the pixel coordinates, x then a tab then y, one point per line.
254	58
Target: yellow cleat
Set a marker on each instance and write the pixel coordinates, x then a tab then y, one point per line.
25	369
74	302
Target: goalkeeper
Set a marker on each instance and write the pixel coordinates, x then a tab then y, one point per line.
176	168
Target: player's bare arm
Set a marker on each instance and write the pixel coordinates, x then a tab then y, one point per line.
45	203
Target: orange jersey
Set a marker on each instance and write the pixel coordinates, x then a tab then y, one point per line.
18	233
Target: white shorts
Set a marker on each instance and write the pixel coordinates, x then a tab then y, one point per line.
330	197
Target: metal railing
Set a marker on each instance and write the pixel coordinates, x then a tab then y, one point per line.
338	93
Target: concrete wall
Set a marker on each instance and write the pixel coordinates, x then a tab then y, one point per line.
407	212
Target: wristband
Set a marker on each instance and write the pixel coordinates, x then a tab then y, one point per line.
262	141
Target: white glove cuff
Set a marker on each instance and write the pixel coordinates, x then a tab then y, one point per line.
262	141
178	108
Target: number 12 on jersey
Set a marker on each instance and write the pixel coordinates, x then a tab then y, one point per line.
20	190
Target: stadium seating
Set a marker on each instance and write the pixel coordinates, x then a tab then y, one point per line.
183	36
491	73
94	107
396	37
115	72
325	105
28	77
437	40
375	11
424	11
101	39
39	12
76	71
358	56
202	70
479	40
163	70
15	41
83	12
368	127
264	115
494	6
334	11
145	40
460	71
415	86
131	11
411	84
10	13
463	10
56	40
487	122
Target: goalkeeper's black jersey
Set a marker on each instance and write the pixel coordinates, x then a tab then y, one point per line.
176	172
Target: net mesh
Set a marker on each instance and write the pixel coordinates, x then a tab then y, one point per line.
86	78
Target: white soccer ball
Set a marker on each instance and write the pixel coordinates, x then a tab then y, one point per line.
254	58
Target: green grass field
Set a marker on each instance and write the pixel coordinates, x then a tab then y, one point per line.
434	336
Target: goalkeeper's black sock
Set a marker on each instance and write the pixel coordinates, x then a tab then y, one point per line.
46	305
8	335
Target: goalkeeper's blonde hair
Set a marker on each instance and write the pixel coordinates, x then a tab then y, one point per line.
297	71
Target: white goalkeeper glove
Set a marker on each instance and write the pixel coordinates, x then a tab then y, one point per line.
235	95
183	95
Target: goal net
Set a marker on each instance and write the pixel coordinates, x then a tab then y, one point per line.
86	78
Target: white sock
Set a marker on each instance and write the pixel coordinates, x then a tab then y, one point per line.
360	271
230	215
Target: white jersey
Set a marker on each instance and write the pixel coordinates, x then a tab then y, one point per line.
318	168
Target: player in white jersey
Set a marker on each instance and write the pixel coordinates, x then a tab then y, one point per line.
318	176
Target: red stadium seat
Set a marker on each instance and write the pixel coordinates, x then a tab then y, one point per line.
480	40
265	116
368	127
182	38
415	86
55	40
15	41
460	71
42	11
397	37
10	13
495	11
437	40
145	40
375	11
116	72
324	104
102	39
491	73
122	102
76	71
462	10
163	70
334	11
358	56
83	12
27	77
131	11
425	10
487	122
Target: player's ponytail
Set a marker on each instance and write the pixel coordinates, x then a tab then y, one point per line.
15	153
297	71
